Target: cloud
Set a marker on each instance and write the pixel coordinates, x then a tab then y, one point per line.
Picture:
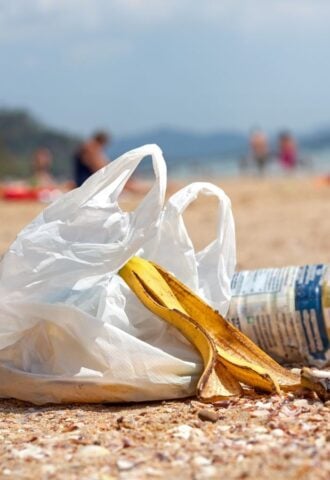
21	17
263	15
21	20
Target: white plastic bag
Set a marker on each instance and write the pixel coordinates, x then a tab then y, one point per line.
209	271
70	328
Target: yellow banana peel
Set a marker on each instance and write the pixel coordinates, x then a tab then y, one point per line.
230	358
252	365
149	286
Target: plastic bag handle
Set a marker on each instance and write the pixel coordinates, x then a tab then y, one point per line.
181	200
225	237
110	181
102	190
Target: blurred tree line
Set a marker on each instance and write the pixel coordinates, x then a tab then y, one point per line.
21	134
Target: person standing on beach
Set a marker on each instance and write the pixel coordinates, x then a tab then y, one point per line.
287	151
90	157
41	166
259	151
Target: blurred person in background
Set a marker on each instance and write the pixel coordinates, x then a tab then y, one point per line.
41	167
287	151
90	157
259	151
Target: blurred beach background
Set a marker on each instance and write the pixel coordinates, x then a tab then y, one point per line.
214	83
197	78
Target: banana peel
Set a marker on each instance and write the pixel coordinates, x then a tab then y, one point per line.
244	358
149	286
230	358
318	381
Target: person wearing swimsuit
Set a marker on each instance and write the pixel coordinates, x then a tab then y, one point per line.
90	157
288	154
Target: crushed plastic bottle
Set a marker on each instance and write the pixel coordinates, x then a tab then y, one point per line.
286	311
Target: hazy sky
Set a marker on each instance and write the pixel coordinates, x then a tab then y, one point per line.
131	65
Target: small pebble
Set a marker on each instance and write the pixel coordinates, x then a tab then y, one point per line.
260	430
296	371
48	469
125	465
223	428
223	404
287	412
264	405
29	452
182	431
301	403
93	451
260	413
163	457
200	461
127	443
153	472
320	442
208	415
316	418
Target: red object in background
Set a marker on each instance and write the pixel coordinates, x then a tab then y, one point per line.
19	192
288	152
24	192
288	158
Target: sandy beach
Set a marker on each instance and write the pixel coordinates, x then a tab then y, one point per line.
278	222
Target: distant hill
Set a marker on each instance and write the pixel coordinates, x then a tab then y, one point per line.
184	146
318	140
179	143
21	134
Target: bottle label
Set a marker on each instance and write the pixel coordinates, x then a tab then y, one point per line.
326	300
285	311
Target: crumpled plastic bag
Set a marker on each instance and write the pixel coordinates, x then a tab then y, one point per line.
70	328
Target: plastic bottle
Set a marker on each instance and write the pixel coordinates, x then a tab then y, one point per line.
286	311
